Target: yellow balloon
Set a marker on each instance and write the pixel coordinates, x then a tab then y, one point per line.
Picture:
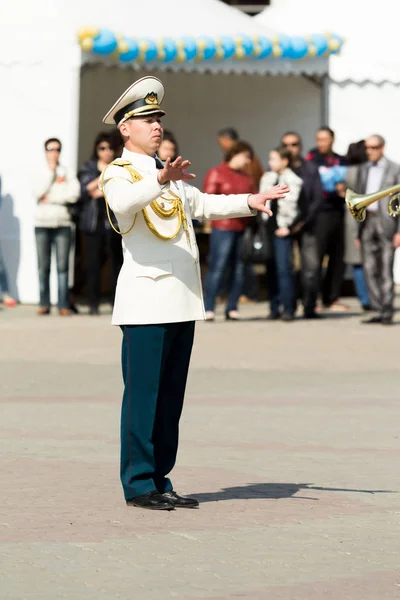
276	51
333	44
201	45
143	46
240	53
85	32
122	47
87	44
161	55
181	56
220	53
312	51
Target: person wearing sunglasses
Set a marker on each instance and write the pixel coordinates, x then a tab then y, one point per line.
379	235
100	239
311	200
57	188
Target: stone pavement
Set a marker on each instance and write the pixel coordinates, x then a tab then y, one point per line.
289	439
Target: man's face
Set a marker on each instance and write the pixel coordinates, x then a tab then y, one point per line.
144	133
292	143
225	143
324	142
52	152
374	149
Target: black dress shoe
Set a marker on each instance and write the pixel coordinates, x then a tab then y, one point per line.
375	319
152	501
94	310
180	501
273	317
387	321
287	317
313	315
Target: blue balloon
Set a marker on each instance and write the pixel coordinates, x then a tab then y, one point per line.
247	44
285	45
105	42
151	52
132	53
170	49
265	45
298	47
320	43
228	46
190	47
210	49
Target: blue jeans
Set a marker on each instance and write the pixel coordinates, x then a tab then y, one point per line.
360	285
280	276
46	237
225	251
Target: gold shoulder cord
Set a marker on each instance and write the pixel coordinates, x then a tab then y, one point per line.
176	209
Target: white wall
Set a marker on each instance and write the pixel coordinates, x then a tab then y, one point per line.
260	108
37	101
358	110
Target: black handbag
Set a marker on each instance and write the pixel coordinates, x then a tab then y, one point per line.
256	242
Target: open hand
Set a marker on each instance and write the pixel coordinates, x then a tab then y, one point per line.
258	201
175	171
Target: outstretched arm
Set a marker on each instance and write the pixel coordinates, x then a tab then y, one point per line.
219	206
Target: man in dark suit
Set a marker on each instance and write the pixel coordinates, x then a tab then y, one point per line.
311	201
379	234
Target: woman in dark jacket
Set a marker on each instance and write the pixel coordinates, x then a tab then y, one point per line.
226	243
100	238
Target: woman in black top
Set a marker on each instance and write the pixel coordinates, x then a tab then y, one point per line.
100	238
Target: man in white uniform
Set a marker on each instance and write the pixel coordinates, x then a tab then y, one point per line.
159	292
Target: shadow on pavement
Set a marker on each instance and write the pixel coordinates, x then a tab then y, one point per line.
275	491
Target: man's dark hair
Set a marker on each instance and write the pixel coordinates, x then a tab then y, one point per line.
103	136
168	136
237	148
292	133
328	130
228	132
51	141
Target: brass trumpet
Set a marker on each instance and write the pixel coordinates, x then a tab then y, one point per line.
357	203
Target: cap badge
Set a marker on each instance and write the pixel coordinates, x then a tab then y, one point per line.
151	99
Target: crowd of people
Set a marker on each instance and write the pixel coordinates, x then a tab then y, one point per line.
311	226
313	221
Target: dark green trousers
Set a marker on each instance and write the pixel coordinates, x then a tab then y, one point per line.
155	364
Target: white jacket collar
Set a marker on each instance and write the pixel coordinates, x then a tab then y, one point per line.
142	161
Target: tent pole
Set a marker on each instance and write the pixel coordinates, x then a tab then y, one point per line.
325	100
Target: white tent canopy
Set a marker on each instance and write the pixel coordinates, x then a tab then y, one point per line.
47	30
370	52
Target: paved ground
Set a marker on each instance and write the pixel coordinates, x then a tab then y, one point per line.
290	440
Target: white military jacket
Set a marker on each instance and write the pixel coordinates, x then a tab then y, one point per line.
160	281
